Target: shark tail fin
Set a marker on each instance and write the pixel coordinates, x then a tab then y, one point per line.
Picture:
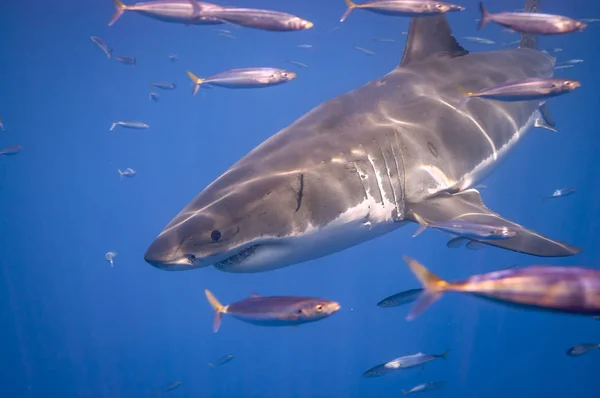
434	287
485	16
351	6
120	9
217	307
196	80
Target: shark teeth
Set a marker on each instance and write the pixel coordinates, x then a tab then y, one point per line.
237	258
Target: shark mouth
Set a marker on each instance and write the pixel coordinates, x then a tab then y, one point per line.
236	258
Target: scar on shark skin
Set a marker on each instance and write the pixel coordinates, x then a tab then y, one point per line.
300	191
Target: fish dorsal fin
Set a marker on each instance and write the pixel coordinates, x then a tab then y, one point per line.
254	294
428	36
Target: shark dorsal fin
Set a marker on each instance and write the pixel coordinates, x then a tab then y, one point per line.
429	36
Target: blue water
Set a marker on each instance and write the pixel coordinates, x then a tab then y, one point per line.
72	326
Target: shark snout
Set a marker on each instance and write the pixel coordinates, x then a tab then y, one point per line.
165	254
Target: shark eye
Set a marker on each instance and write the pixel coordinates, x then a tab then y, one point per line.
215	235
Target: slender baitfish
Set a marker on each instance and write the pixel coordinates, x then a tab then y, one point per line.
559	193
171	387
2	125
128	172
383	40
228	35
559	67
126	60
406	362
173	57
364	50
479	40
11	150
300	64
164	85
531	22
175	11
154	96
256	19
129	125
434	385
304	46
102	45
244	78
573	61
581	349
399	299
532	89
467	229
574	290
403	8
222	361
273	310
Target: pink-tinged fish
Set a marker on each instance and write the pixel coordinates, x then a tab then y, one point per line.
531	22
244	78
273	310
254	18
11	150
102	45
574	290
175	11
403	8
534	89
126	60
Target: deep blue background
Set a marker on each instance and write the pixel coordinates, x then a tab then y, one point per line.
71	326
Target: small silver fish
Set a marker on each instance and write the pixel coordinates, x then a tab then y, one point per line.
573	61
559	67
403	8
531	22
557	50
174	11
222	361
304	46
164	85
128	172
2	125
581	349
153	96
224	31
126	60
11	150
244	78
129	125
173	57
102	45
383	40
230	36
511	43
405	362
425	387
110	257
525	90
559	193
300	64
467	229
364	50
171	387
479	40
401	298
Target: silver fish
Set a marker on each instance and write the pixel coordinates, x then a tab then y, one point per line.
404	8
300	64
2	125
126	60
401	298
573	61
383	40
171	387
402	363
129	125
230	36
479	40
110	257
534	89
128	172
11	150
559	67
425	387
557	50
173	57
174	11
244	78
467	229
222	361
153	96
304	46
558	193
364	50
164	85
581	349
102	45
536	23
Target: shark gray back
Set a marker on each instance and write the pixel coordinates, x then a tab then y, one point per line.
364	163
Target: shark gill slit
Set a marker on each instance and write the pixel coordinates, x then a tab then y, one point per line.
389	176
300	192
360	178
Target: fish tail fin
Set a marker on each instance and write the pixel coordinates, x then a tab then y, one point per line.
351	6
196	80
120	174
112	127
467	96
211	365
443	354
434	287
120	9
485	16
109	53
423	224
217	307
404	392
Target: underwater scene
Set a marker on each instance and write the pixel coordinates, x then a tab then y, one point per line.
294	199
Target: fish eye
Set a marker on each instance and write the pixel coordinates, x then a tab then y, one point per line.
300	311
568	83
319	308
215	235
284	74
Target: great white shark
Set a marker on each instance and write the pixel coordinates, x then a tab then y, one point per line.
363	164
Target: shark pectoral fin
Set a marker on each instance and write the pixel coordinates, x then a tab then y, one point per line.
468	206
